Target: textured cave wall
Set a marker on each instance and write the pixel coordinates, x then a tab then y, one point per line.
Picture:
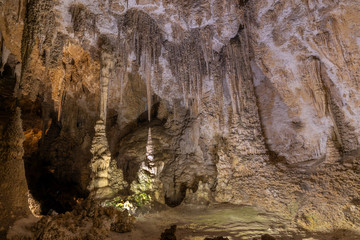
305	67
146	67
307	77
244	98
249	102
13	191
62	75
13	185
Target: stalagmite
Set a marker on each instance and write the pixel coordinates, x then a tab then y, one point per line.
150	155
221	101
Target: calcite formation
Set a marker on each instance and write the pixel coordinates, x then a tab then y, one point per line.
248	102
314	46
87	221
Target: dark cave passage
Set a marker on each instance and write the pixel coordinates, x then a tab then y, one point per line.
129	150
53	194
46	169
230	119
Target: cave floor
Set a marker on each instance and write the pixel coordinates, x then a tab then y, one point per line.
194	223
231	221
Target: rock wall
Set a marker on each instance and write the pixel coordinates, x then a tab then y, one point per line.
251	102
14	193
307	54
13	185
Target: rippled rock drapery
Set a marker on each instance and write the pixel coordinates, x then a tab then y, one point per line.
251	102
316	107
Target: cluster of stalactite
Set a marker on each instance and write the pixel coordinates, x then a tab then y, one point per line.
141	48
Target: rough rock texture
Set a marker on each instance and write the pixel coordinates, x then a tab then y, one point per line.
314	46
169	233
247	102
107	179
13	186
267	237
87	221
216	238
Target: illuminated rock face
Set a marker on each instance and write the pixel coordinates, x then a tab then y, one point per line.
13	187
249	101
306	73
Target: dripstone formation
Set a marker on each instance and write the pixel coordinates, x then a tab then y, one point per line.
183	101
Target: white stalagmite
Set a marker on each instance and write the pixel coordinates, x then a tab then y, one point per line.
150	154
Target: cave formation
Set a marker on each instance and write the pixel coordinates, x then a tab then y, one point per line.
222	118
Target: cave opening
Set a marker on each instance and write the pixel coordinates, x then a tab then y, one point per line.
46	161
47	181
134	155
230	119
176	198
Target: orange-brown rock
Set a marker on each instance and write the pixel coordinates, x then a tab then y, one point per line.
249	102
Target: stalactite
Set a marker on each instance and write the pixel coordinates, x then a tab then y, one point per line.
188	64
5	53
123	68
236	67
232	93
61	97
199	93
121	77
148	84
102	100
60	104
239	96
141	35
174	112
184	95
107	67
231	79
19	10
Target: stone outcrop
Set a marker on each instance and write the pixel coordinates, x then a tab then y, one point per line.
248	102
13	185
169	234
314	47
88	221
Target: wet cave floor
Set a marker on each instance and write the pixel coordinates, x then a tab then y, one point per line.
230	221
233	222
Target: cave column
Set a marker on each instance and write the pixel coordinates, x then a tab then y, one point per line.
100	163
107	66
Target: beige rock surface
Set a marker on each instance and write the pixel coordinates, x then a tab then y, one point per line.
256	100
307	53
